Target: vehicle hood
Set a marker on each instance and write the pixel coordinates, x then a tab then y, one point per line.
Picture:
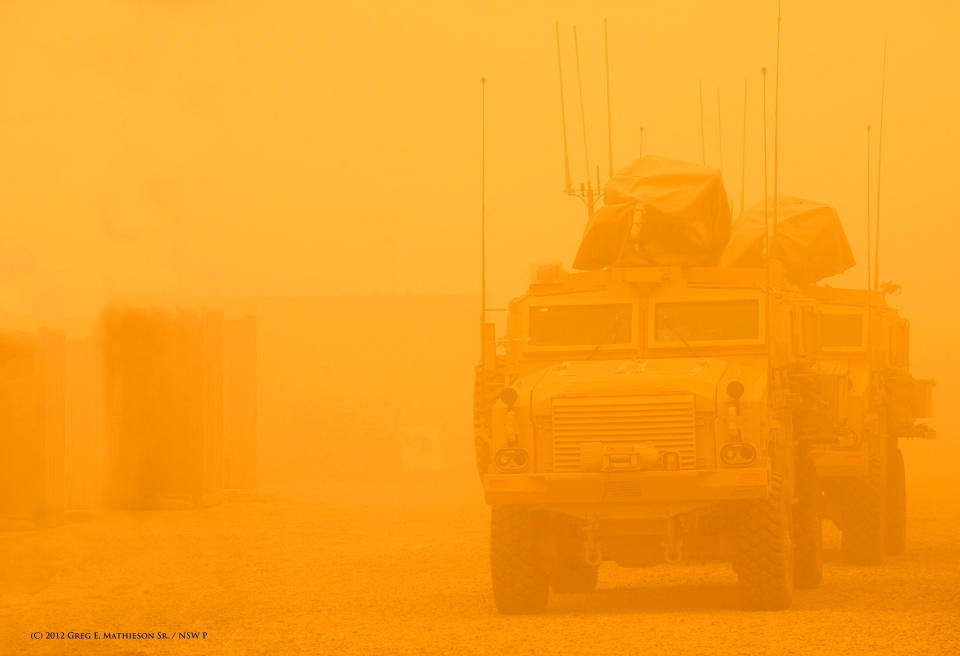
698	376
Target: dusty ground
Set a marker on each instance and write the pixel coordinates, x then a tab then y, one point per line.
405	571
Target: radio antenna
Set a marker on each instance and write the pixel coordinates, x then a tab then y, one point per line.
766	235
869	286
776	131
703	138
583	123
483	216
766	204
743	150
568	188
719	132
606	61
883	90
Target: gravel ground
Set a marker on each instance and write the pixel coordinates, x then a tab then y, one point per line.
404	570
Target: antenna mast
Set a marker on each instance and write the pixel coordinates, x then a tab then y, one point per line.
776	132
719	132
606	61
766	237
583	124
568	189
743	150
483	216
883	91
703	139
869	292
766	216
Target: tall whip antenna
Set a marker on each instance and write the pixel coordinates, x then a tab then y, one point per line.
703	139
583	123
883	91
568	188
869	286
483	215
743	150
766	235
606	60
766	204
776	131
719	132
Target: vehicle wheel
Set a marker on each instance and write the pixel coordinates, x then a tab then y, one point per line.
521	583
896	528
807	530
765	551
864	522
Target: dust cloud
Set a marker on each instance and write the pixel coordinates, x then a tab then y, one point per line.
314	170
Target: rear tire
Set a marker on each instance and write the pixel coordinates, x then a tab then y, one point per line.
765	551
896	529
864	512
521	583
807	530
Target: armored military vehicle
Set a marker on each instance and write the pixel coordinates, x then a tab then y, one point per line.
638	412
666	402
868	400
855	398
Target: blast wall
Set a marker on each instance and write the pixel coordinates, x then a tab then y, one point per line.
163	407
31	427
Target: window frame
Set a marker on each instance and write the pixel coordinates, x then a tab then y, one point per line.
581	300
738	296
847	310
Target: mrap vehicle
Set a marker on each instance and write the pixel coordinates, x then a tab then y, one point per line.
866	400
666	402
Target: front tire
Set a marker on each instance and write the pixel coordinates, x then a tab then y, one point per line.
807	529
765	551
864	522
896	498
521	583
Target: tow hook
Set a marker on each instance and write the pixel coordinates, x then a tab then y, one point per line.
591	553
673	545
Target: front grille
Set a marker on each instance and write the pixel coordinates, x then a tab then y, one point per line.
666	421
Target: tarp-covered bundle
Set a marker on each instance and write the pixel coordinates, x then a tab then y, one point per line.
658	212
809	240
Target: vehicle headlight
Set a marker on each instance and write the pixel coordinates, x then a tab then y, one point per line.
511	460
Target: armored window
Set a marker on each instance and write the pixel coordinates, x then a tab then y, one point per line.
841	330
707	321
581	325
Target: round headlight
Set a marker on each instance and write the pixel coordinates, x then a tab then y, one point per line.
509	396
735	389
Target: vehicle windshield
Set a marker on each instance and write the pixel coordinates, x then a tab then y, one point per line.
581	325
707	321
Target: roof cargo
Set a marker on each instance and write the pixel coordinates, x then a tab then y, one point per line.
809	241
658	212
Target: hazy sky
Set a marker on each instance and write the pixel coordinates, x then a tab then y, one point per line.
237	148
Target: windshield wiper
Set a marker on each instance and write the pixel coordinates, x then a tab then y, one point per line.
677	334
616	329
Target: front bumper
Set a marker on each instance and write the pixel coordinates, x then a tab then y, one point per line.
699	485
